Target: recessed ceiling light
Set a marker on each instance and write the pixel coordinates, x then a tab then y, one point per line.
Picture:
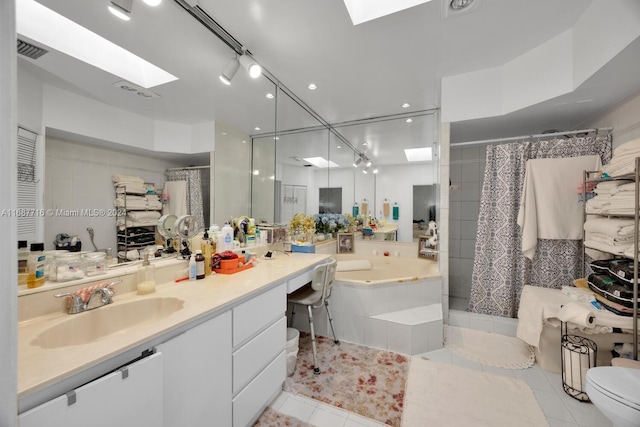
43	25
418	154
406	105
224	133
365	143
153	2
320	162
269	95
256	172
409	120
312	86
256	128
338	146
244	141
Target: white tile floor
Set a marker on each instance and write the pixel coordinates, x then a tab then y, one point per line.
560	409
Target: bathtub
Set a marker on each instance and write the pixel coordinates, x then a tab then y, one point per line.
387	269
360	298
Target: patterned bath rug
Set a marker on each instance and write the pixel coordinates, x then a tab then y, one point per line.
364	380
439	394
489	348
272	418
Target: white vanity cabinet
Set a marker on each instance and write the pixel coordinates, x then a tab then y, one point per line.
197	375
131	396
259	365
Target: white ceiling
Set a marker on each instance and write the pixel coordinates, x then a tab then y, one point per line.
362	71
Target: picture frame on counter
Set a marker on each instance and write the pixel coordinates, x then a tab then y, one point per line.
345	243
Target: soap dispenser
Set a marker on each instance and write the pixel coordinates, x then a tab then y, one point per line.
146	276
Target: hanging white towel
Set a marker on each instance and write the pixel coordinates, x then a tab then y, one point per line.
177	203
549	207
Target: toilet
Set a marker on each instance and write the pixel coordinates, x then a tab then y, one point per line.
616	393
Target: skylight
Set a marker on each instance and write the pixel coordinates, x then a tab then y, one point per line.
418	154
45	26
321	162
367	10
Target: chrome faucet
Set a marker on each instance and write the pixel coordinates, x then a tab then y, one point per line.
77	305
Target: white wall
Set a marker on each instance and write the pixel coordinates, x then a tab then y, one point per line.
395	183
78	176
8	195
231	174
623	117
263	184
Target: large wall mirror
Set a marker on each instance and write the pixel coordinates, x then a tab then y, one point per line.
315	162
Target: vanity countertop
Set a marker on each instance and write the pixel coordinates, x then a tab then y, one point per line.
39	367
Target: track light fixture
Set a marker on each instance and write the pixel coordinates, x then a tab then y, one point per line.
357	162
121	9
230	71
368	164
253	68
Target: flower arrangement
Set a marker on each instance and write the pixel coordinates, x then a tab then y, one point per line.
352	222
302	224
330	222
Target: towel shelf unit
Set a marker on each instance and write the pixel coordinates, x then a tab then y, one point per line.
635	177
133	236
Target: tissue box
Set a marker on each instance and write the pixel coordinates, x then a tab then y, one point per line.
307	249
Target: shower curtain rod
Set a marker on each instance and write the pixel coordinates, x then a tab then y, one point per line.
540	135
188	168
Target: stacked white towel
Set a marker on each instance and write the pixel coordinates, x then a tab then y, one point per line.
132	184
624	159
612	197
148	201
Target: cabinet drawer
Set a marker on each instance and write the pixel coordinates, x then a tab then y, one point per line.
250	401
257	353
253	315
299	281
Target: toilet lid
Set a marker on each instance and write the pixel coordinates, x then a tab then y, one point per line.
621	384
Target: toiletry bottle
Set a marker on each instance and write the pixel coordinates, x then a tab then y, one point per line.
146	276
23	260
192	267
199	265
206	248
354	210
365	207
227	238
35	266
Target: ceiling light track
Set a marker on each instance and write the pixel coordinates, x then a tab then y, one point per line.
206	20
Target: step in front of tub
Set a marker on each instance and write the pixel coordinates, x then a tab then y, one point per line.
409	331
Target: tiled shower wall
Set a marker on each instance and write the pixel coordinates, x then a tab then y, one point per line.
466	172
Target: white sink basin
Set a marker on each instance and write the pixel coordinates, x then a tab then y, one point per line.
98	323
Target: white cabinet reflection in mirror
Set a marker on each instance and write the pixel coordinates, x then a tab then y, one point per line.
131	396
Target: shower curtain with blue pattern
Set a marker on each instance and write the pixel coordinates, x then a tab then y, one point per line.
500	270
